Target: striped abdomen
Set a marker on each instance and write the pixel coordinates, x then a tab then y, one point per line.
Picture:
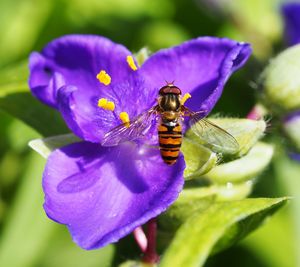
170	138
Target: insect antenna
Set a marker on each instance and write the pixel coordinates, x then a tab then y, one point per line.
170	83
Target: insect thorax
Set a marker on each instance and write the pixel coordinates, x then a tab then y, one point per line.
169	103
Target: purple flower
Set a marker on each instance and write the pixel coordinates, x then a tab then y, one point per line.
103	193
295	156
291	15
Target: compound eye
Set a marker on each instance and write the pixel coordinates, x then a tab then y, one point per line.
170	89
176	90
164	90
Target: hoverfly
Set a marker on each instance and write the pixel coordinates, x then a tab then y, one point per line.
171	111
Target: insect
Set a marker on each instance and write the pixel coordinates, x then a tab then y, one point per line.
170	111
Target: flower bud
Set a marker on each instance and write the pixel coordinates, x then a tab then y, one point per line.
246	132
142	55
281	79
199	159
245	168
292	128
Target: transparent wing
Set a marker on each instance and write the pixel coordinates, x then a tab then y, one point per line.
137	128
212	134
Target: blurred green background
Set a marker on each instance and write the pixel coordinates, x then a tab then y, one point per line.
27	237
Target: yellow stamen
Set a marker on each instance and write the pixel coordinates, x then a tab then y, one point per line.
102	102
110	106
103	77
185	98
105	104
124	117
131	63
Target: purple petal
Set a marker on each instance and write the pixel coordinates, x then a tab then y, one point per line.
103	194
44	82
291	16
64	76
294	156
77	58
200	67
292	116
90	122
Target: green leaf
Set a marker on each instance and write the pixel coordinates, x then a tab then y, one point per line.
27	231
190	200
286	172
61	251
232	191
25	107
46	145
14	79
199	159
253	29
264	242
245	168
21	25
155	34
16	100
218	227
34	238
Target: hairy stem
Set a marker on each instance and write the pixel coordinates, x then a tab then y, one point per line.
150	255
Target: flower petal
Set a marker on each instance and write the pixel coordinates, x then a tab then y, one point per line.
90	122
64	76
43	82
102	194
200	67
78	59
291	15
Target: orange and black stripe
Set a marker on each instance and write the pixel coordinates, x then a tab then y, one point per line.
170	139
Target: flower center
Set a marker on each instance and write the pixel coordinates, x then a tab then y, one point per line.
110	106
105	79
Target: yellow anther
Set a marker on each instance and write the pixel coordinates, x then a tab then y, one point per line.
103	77
102	102
110	106
131	63
124	117
185	98
107	105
